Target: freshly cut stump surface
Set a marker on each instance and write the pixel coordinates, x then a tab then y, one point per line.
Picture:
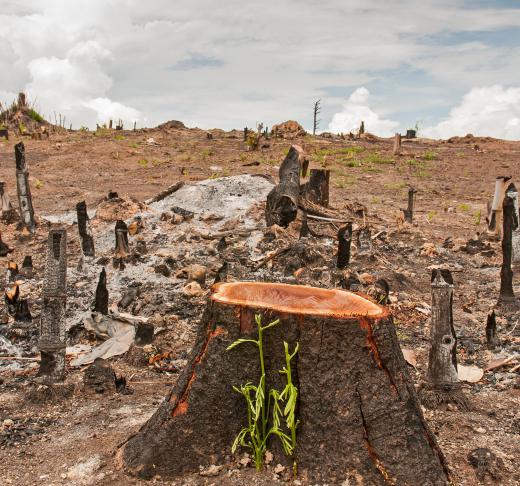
359	414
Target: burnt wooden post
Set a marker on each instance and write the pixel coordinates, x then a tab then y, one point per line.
122	249
443	384
357	408
344	243
492	339
85	233
397	144
317	189
27	266
509	223
246	133
501	184
4	132
101	302
52	323
282	201
23	314
24	190
7	210
4	248
304	229
408	212
362	128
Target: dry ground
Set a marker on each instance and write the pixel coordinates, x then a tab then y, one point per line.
454	181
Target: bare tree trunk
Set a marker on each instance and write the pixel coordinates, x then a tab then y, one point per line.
52	324
443	382
397	144
282	201
510	223
85	233
358	411
7	211
24	190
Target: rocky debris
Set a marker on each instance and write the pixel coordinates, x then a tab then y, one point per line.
14	432
172	124
288	129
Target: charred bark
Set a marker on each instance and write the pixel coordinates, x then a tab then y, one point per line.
304	229
282	201
85	233
52	323
317	189
8	213
351	377
492	339
27	266
101	302
4	248
443	382
408	213
23	314
24	190
344	243
122	249
12	271
509	223
11	298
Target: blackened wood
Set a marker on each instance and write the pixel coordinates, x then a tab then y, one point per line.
11	298
27	266
144	333
24	190
362	128
411	133
7	211
23	314
442	379
304	229
408	213
101	302
4	248
317	189
12	271
344	244
358	410
282	201
246	130
222	273
4	132
509	223
492	339
85	233
170	190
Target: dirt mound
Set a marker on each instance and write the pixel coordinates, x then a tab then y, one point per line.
172	124
288	129
20	117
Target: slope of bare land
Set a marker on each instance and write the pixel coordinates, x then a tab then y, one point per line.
72	440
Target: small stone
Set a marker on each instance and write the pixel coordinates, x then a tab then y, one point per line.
162	269
279	469
197	273
480	430
366	279
268	457
7	423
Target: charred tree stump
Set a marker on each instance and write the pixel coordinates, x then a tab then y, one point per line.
358	410
344	243
24	190
362	128
23	314
408	212
246	133
122	249
52	324
8	213
282	201
317	189
12	271
493	217
443	384
492	339
101	302
4	132
304	229
397	144
85	233
11	298
4	248
27	266
509	223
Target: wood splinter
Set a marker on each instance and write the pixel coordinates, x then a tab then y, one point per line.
443	384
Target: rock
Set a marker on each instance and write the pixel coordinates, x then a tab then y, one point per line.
288	129
7	423
193	289
162	269
197	273
176	124
279	469
366	279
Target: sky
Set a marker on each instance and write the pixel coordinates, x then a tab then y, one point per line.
448	67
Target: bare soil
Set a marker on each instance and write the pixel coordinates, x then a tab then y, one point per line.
48	438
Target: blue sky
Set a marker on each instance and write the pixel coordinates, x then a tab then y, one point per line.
452	66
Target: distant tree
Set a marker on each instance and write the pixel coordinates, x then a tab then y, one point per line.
317	109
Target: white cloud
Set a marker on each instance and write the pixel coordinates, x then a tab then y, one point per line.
486	111
262	63
356	110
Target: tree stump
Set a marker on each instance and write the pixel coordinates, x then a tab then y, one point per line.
358	410
317	189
